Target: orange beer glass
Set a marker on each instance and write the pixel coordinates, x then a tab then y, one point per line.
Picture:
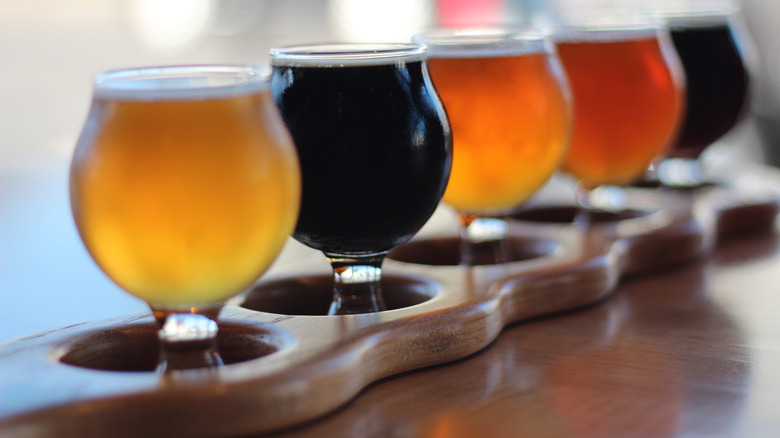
184	187
628	100
508	105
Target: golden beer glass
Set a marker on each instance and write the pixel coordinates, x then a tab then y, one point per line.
509	107
184	186
627	86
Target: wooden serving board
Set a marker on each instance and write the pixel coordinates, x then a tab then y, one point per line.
287	363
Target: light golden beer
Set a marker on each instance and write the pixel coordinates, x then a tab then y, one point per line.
510	116
628	102
184	198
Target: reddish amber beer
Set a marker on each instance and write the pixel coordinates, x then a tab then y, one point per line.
628	100
508	106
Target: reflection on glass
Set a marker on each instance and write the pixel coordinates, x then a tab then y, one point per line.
184	187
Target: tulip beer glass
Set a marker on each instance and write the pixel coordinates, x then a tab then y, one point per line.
184	187
375	150
716	90
628	100
508	103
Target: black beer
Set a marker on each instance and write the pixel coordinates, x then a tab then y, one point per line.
373	141
717	81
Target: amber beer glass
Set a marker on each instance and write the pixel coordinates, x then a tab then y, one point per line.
184	187
508	103
628	98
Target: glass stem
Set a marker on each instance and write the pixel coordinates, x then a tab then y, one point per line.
593	201
187	340
585	209
357	284
483	240
650	177
681	173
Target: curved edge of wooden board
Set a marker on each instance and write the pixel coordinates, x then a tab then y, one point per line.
317	374
331	359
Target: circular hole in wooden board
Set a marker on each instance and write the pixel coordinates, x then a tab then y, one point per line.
312	294
446	251
567	215
135	347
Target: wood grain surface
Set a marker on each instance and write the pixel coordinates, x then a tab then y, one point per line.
627	363
686	351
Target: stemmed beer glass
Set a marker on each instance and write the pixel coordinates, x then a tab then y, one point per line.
508	102
184	186
375	151
628	99
716	90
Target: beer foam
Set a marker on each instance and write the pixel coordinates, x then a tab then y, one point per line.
694	20
346	55
481	43
604	34
196	82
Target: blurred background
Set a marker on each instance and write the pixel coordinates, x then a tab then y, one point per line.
49	49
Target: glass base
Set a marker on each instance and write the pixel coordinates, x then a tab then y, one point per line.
357	284
681	172
187	340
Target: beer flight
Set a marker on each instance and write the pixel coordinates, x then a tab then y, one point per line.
187	180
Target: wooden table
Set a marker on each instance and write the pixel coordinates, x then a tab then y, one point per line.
679	336
692	350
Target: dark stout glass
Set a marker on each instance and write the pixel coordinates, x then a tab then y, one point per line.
717	80
374	148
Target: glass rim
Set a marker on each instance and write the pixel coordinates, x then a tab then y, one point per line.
346	54
194	81
699	18
606	30
483	41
